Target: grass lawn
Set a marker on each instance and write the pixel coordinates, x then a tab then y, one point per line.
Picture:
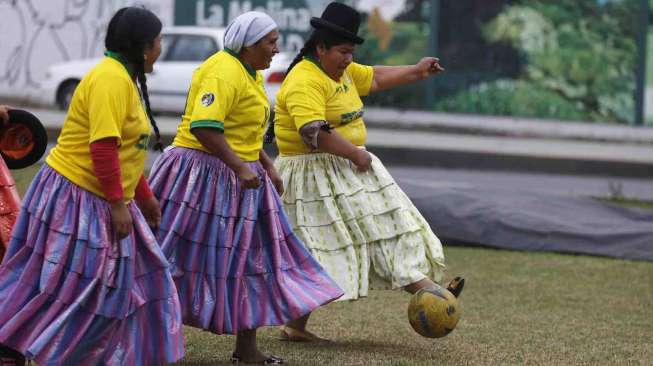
630	202
23	177
519	308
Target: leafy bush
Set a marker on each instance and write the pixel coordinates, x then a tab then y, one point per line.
588	63
406	48
512	98
576	59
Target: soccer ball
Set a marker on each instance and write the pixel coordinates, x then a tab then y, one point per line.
433	312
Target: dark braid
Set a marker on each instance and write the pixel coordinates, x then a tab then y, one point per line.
142	82
130	30
309	47
318	37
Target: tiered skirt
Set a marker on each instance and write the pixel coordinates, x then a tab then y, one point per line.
360	226
71	293
235	260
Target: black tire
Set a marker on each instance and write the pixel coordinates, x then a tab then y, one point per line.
39	137
65	93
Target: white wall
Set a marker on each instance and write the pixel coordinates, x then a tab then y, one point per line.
35	34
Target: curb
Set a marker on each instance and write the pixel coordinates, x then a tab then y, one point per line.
506	126
450	159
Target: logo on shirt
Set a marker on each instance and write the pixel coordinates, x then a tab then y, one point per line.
351	116
344	88
207	99
143	141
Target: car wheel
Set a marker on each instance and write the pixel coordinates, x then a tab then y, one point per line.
65	93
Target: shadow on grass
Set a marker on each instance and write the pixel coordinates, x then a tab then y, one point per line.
355	347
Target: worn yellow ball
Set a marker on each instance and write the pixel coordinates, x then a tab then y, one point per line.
433	312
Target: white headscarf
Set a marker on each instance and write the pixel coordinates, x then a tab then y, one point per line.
247	29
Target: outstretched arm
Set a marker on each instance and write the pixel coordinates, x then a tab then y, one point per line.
386	77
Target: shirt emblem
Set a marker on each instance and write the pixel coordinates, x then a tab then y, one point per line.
207	99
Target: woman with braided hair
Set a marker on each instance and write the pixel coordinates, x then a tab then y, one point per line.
340	199
84	280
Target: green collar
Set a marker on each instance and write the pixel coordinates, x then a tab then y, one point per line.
123	60
312	59
249	69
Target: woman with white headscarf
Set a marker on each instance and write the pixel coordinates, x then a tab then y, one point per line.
236	262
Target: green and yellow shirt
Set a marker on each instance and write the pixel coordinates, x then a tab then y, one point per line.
105	104
308	94
227	95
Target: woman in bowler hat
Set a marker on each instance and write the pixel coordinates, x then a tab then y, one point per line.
339	197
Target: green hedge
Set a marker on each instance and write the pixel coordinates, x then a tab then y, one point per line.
512	98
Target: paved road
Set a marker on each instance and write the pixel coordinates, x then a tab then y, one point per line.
557	184
583	150
595	186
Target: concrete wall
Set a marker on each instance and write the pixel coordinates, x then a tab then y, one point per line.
35	34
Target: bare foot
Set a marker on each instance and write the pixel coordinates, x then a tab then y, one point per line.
291	334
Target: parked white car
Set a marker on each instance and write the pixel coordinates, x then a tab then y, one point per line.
183	50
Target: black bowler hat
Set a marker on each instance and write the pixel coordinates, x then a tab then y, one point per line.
22	140
341	20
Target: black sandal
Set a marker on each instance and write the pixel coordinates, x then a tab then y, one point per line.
456	285
10	357
271	360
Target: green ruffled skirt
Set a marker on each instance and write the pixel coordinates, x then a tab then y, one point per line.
361	227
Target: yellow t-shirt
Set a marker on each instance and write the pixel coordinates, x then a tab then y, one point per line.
106	103
308	94
227	95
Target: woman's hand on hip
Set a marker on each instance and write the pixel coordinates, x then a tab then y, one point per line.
276	180
151	210
121	219
362	160
248	177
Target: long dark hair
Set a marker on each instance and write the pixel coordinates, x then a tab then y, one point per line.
130	30
318	37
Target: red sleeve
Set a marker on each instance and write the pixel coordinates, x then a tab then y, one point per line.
143	190
106	164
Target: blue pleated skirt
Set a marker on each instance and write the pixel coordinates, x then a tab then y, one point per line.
235	260
72	294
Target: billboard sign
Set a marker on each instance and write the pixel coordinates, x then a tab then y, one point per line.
292	16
